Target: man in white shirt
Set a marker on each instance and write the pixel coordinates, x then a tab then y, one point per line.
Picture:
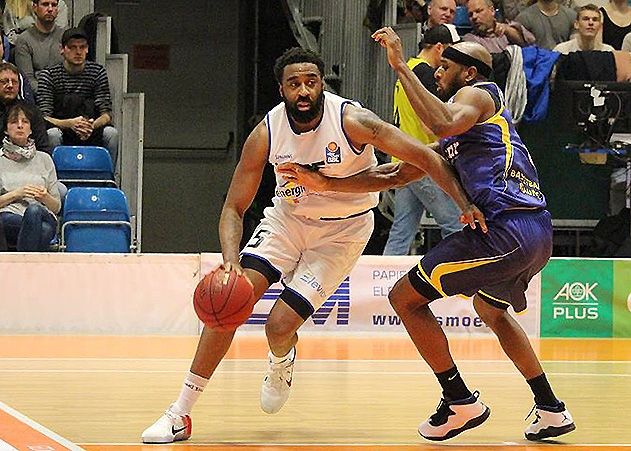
588	25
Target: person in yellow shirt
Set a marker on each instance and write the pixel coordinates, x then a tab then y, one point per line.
411	200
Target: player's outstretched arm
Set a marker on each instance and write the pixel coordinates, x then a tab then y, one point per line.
243	187
443	119
365	127
377	178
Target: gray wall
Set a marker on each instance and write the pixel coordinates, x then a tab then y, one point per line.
191	108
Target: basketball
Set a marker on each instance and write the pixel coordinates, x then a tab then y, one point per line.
223	300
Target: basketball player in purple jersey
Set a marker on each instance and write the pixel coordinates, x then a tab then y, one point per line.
478	139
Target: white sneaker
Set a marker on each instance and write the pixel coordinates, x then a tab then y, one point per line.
169	428
549	422
453	417
277	383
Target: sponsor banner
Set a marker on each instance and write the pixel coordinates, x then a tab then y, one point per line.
576	298
113	294
361	304
622	298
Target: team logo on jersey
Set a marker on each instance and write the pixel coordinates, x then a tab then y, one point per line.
333	153
290	192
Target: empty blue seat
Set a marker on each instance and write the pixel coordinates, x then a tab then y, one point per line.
461	18
83	166
96	220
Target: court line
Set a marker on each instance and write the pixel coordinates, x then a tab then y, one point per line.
223	371
154	359
4	446
419	444
39	428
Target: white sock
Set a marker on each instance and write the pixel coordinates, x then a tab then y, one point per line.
290	356
192	387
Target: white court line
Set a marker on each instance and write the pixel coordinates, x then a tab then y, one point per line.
224	371
418	444
4	446
153	359
39	428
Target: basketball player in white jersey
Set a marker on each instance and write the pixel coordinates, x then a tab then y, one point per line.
308	240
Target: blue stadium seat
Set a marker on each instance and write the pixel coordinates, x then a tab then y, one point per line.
96	220
461	20
83	166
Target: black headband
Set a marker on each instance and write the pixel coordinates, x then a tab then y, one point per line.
459	57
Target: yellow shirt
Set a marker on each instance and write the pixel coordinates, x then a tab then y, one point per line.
404	115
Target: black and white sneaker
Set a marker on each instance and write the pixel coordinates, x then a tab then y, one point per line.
453	417
549	422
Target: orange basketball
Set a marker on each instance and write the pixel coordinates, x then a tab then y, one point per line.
223	300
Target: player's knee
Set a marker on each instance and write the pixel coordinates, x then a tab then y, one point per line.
278	327
487	313
399	302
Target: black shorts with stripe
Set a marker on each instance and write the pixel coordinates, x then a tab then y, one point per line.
497	265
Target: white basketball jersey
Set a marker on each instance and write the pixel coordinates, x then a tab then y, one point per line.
327	148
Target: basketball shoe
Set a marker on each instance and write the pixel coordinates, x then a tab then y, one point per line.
169	428
277	382
453	417
549	422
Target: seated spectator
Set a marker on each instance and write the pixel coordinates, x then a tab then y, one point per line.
10	95
626	43
491	34
74	96
38	47
587	25
25	91
18	17
414	11
29	196
439	12
550	22
616	22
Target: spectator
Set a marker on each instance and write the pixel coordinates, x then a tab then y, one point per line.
18	17
38	47
25	91
491	34
414	11
626	43
10	95
411	200
440	12
588	24
616	22
29	196
74	96
550	22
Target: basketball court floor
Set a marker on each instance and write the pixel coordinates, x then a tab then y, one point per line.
349	393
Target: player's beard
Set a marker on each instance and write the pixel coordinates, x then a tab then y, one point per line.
306	116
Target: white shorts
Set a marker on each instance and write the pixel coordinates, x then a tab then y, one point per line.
310	256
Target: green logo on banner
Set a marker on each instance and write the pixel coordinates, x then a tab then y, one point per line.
622	298
576	298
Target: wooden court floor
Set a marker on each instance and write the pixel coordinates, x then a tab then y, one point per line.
349	393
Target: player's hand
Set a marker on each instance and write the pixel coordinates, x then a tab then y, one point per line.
387	38
471	215
301	175
232	266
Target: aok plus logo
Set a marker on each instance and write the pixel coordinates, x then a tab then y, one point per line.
576	301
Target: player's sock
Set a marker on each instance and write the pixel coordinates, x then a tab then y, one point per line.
543	392
192	388
453	386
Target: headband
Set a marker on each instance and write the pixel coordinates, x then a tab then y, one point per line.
459	57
